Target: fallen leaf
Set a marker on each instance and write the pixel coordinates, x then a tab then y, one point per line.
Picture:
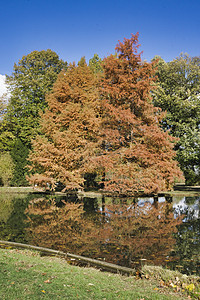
47	281
190	287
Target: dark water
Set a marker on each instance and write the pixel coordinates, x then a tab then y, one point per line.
127	232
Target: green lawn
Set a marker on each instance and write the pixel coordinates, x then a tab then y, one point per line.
26	275
7	189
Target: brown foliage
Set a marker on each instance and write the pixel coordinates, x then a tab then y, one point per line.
108	125
69	126
137	154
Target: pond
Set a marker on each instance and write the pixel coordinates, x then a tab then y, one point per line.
126	231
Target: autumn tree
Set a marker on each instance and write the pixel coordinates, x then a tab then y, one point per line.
136	154
178	93
106	124
70	127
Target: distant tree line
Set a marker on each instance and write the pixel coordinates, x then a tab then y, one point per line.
119	124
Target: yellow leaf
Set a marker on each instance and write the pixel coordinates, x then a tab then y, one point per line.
43	291
190	287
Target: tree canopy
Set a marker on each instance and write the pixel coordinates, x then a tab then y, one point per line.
178	93
6	168
31	80
95	64
70	128
138	155
105	124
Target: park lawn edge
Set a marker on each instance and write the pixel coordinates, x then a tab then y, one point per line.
24	274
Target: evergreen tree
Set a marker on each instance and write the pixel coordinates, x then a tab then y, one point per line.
95	64
19	154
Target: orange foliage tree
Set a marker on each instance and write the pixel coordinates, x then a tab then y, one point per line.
137	153
105	124
70	129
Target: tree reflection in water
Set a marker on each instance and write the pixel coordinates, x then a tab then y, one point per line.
121	234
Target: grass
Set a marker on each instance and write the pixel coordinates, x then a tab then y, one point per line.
7	189
26	275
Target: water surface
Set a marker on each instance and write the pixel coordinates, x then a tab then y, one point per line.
127	232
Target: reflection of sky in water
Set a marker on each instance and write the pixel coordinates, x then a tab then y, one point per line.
181	206
142	201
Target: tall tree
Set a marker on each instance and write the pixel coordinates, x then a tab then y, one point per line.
137	153
70	130
105	125
31	79
179	94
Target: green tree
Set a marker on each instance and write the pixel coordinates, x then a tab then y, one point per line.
6	168
33	77
2	106
19	154
82	62
6	137
178	93
31	80
95	64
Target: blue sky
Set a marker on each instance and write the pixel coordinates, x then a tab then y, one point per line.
75	28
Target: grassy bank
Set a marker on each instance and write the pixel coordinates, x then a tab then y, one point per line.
19	190
26	275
